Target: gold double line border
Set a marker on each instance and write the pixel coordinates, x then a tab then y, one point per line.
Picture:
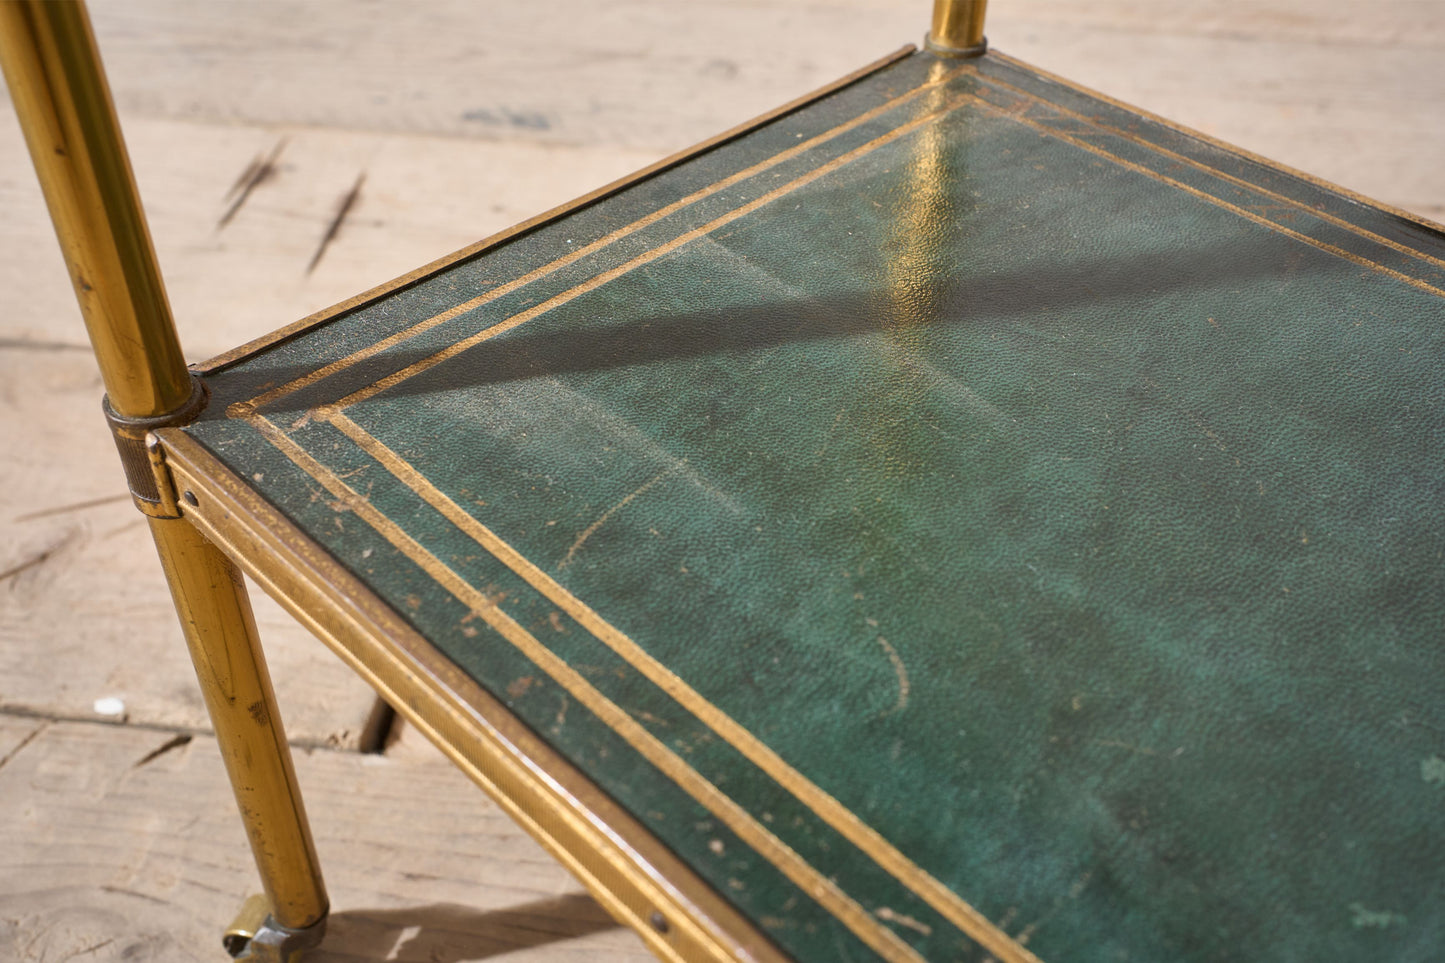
1216	201
1225	146
882	939
842	819
868	928
1214	172
879	937
241	409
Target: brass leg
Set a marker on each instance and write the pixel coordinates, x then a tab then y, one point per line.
957	28
61	97
216	617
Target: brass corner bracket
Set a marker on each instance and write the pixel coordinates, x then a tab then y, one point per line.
141	456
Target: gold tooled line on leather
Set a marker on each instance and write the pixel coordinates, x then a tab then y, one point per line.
843	820
869	841
1200	165
593	622
621	862
611	274
573	256
1225	145
825	891
1216	201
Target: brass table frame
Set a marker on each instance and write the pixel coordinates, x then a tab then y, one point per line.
208	526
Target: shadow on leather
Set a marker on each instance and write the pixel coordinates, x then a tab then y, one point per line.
1135	292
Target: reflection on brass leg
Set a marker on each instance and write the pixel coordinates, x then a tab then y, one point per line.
221	633
957	29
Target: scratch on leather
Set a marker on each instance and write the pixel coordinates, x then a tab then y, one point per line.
627	437
602	519
902	672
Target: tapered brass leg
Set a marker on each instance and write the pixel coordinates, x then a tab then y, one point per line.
216	618
65	108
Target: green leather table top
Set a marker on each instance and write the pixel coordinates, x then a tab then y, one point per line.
959	505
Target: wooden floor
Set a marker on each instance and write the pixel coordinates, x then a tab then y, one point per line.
250	125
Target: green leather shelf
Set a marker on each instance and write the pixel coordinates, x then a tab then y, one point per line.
958	509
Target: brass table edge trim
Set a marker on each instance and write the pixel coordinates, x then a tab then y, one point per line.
1417	219
1377	266
623	865
266	341
823	890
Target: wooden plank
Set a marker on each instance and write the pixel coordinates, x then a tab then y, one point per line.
88	616
15	732
636	72
1409	23
641	73
1352	92
84	612
106	852
422	197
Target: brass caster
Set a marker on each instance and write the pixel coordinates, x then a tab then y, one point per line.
255	936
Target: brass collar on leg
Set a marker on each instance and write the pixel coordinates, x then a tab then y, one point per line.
957	29
141	456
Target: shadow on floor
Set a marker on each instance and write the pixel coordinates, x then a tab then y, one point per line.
448	933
